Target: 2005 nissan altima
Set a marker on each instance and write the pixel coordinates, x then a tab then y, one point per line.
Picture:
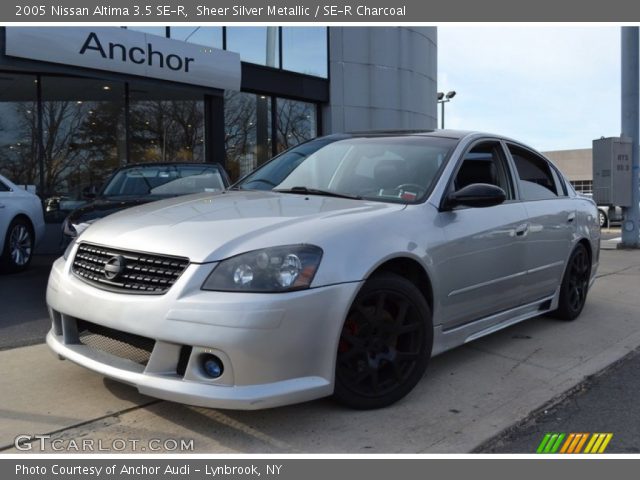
339	267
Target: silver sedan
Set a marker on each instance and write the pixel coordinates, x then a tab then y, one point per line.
338	268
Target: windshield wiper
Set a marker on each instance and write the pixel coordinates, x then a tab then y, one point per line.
257	180
317	191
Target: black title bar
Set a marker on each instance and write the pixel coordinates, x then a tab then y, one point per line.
320	11
314	469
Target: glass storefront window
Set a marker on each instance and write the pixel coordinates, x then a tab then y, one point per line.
296	122
83	139
255	44
166	125
207	36
304	50
247	121
160	31
19	128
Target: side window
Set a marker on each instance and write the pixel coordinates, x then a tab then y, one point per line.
561	184
3	187
485	163
536	180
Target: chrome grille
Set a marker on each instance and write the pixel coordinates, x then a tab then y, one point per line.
141	273
114	342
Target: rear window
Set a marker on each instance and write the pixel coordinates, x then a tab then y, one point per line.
536	179
165	180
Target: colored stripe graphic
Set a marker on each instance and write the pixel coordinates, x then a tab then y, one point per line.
591	443
604	445
555	442
598	443
579	437
556	445
568	442
543	443
550	443
581	443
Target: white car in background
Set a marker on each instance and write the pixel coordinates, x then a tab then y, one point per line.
607	214
21	226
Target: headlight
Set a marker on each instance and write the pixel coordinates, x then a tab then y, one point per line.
277	269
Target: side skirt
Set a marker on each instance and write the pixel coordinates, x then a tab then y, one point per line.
444	340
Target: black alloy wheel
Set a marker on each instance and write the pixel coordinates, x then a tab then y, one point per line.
385	343
575	284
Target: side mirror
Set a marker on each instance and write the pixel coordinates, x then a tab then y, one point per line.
476	195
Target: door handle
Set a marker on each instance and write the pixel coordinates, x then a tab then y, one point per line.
522	229
1	205
571	217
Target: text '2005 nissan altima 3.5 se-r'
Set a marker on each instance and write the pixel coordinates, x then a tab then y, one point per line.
339	267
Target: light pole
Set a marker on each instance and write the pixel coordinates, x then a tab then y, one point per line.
630	36
442	99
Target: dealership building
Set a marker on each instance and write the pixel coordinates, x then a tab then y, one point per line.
577	165
78	102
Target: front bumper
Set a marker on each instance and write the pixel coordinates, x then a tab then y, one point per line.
276	349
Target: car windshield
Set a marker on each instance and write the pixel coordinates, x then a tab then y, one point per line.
398	169
164	180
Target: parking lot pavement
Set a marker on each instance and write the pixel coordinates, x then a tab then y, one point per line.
606	402
467	397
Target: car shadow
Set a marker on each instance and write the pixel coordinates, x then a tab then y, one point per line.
24	319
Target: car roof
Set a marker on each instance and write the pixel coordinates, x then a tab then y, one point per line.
446	133
169	164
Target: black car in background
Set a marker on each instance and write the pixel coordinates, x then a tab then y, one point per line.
143	183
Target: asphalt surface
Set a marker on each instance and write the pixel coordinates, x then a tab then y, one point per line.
608	402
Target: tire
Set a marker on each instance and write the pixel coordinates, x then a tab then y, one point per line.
18	246
575	284
602	219
385	344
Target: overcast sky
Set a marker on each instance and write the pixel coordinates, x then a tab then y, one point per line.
554	88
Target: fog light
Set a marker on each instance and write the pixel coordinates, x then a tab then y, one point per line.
212	365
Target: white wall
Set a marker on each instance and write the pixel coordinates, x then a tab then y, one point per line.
381	78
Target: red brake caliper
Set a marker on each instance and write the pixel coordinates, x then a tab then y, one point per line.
351	327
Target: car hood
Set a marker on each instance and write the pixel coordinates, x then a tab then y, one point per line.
209	227
105	206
